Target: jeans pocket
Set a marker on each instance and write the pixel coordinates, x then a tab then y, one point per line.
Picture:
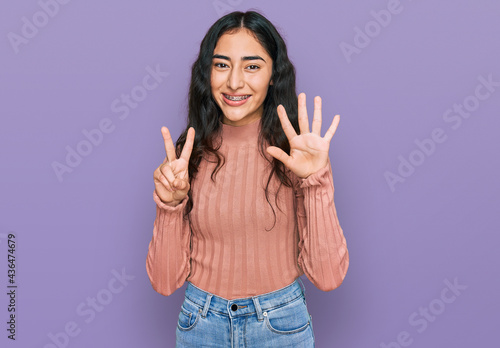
288	319
189	315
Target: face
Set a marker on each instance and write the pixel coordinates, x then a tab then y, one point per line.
240	77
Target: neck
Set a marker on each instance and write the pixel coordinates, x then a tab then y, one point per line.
246	134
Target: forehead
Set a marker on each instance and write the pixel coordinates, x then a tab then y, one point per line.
240	43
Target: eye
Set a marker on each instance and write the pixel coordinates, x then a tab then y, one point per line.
218	65
256	67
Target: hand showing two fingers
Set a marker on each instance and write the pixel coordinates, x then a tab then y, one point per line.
171	178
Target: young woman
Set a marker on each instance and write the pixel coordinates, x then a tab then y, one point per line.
245	198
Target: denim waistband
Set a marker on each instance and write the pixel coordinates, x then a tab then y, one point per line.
258	304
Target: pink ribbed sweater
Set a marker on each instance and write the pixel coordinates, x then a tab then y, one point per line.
227	250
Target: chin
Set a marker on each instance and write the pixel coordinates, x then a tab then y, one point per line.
232	116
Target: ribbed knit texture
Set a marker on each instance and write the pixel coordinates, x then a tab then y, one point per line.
227	250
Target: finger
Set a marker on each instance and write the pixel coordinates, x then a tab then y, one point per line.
165	183
179	194
316	123
183	175
169	145
285	123
333	128
303	118
166	170
158	176
279	154
188	145
180	184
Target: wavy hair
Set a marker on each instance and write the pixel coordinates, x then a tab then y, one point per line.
204	113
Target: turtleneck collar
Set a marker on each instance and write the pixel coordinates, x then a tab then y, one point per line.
239	135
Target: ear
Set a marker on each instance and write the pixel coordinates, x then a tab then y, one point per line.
271	82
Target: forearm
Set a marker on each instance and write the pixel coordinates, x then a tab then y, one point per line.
323	253
168	259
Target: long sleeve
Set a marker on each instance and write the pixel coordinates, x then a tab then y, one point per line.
168	260
323	254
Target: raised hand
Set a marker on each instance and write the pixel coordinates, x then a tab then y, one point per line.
171	177
308	151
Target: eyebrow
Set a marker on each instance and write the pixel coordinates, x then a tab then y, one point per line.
242	58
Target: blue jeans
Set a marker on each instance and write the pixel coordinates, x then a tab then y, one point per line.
275	319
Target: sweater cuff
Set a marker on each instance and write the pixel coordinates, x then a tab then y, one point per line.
319	178
167	207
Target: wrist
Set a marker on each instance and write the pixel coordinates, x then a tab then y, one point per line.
172	204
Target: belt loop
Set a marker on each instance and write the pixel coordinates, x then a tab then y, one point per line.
257	308
207	305
303	287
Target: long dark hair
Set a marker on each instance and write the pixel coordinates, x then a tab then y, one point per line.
204	113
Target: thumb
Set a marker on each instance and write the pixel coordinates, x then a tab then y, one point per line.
278	153
180	184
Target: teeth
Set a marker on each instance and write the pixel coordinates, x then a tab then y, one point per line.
236	98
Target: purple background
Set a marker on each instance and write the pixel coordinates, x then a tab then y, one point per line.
441	223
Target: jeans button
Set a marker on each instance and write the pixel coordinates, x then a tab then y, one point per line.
234	306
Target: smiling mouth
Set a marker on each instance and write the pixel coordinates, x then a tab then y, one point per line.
236	98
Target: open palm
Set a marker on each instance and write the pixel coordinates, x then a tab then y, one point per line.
308	150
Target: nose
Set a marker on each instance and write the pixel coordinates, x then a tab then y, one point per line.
235	79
